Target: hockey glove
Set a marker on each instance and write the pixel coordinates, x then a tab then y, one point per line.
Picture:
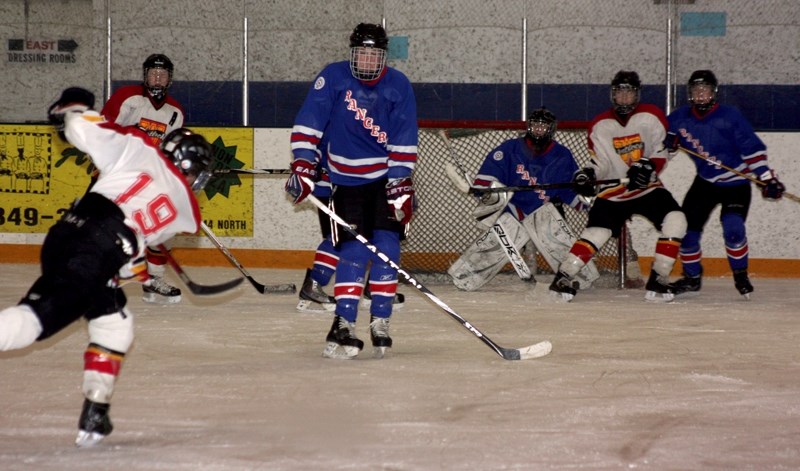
641	174
400	195
672	142
772	189
72	99
583	181
301	183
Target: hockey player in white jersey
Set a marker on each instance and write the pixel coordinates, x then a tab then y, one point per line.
535	158
142	197
626	141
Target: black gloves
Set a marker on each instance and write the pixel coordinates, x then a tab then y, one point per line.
641	174
583	181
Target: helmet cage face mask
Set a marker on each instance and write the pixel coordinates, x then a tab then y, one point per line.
625	98
192	154
158	64
702	95
367	63
541	127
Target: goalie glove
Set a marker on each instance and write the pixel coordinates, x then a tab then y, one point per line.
641	174
401	199
772	188
301	183
583	181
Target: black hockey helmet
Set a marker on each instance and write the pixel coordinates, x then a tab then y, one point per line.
625	81
368	45
157	61
192	154
541	126
369	35
702	78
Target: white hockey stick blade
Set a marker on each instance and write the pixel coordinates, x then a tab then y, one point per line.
456	177
536	351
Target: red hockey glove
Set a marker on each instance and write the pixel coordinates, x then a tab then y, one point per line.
772	189
300	183
400	195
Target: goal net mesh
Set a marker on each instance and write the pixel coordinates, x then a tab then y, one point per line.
443	225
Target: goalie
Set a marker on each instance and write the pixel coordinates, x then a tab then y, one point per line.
510	220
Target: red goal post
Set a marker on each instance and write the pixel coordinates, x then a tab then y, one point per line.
443	226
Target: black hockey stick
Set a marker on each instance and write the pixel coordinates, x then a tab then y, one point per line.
263	289
534	351
254	171
543	186
195	288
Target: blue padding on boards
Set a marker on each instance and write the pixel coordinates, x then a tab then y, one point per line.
703	23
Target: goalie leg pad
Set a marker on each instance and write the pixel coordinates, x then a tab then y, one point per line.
553	238
486	257
490	207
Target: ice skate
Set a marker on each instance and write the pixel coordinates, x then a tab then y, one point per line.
94	424
313	298
562	287
342	341
742	283
658	289
687	285
397	303
379	333
158	291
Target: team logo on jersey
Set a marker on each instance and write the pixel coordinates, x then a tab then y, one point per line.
629	148
498	156
154	129
319	83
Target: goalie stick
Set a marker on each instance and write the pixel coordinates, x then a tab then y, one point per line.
463	183
196	288
792	197
263	289
254	171
533	351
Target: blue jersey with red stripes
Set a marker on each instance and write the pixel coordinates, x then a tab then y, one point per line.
369	128
722	135
513	163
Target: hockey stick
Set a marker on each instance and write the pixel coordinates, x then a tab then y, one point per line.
263	289
196	288
534	351
254	171
758	182
543	186
463	184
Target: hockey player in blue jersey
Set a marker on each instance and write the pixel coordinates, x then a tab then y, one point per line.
535	158
721	134
367	113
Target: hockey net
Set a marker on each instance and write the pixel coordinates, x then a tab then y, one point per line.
443	226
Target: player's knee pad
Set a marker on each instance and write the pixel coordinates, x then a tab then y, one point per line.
21	327
674	225
691	242
388	243
112	331
597	236
733	230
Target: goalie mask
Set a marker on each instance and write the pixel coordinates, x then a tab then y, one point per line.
541	127
157	72
192	154
625	90
368	45
702	90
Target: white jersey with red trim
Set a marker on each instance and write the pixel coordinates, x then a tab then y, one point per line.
134	174
615	145
132	106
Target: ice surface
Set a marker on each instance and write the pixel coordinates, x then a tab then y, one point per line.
711	382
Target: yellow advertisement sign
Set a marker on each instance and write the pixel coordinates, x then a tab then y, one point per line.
41	176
